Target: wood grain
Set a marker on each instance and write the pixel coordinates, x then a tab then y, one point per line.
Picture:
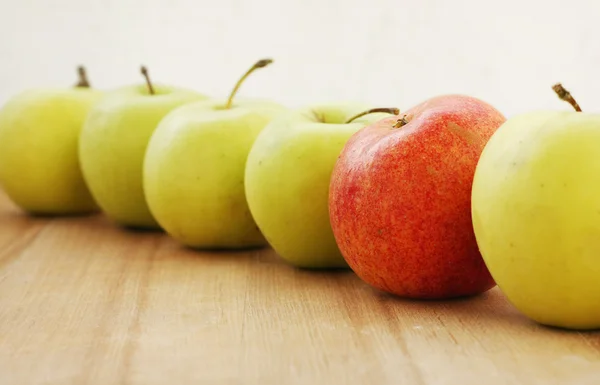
85	302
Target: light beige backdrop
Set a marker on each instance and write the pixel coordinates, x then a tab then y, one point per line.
389	52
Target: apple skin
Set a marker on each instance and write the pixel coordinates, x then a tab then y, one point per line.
113	143
287	180
400	200
194	172
536	215
39	165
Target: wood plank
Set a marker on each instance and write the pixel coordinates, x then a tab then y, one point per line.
85	302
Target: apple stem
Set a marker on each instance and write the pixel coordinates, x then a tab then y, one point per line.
144	72
392	110
83	81
565	95
259	64
401	122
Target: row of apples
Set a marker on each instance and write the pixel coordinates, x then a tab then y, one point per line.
446	199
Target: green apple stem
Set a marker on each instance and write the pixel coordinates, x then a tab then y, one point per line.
144	72
565	95
83	81
259	64
392	110
401	122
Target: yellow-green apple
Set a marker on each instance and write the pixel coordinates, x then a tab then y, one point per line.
287	179
39	165
400	199
536	214
113	143
194	170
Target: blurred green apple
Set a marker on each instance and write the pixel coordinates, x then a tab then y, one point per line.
536	214
113	143
194	171
39	166
287	179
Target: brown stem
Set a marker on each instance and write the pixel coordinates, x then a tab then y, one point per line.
401	122
144	72
83	81
259	64
392	110
565	95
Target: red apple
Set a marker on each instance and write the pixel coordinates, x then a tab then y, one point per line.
400	199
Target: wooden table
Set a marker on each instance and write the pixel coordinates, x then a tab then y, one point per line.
85	302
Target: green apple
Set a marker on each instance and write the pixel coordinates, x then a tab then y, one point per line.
536	214
287	179
113	143
39	166
194	171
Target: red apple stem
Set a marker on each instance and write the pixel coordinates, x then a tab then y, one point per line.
144	72
392	110
259	64
83	81
565	95
401	122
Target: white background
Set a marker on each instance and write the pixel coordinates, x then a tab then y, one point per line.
391	53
